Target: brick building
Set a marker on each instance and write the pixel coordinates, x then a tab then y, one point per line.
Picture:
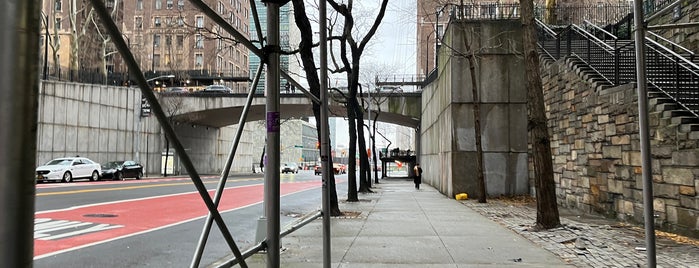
165	37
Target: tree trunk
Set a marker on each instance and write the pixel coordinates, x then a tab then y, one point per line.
482	189
167	154
309	67
374	152
546	206
74	40
550	14
352	157
364	183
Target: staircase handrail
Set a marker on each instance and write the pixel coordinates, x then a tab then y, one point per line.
673	44
592	37
680	57
546	28
601	30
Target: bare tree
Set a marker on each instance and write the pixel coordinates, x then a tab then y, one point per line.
172	106
309	67
53	41
78	30
106	47
546	207
349	64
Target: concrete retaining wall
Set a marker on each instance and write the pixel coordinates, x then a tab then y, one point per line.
447	149
103	123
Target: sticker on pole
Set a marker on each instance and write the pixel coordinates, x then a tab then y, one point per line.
273	122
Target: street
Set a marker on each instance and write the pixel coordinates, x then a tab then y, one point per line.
154	222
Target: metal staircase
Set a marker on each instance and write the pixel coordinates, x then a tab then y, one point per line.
606	60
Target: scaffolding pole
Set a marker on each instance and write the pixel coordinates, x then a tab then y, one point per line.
325	133
271	192
19	80
196	260
642	84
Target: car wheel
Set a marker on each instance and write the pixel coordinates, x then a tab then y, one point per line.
139	175
67	177
118	176
95	176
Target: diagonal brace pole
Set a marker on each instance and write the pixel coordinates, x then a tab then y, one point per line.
224	174
115	34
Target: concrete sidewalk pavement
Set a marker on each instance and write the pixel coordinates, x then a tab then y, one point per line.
399	226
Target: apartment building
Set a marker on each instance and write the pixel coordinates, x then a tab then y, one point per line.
165	37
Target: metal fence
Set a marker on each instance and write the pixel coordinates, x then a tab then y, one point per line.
564	14
670	71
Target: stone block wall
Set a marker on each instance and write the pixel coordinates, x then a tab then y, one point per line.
597	158
685	12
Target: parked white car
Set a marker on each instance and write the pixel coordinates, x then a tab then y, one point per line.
68	168
289	168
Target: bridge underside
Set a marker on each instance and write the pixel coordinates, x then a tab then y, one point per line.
231	115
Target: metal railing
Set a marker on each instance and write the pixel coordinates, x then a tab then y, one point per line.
613	60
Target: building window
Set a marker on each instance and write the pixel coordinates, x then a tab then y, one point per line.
180	21
180	4
57	23
198	60
58	5
156	40
156	21
199	41
179	39
158	4
168	40
138	24
169	4
139	4
200	21
156	60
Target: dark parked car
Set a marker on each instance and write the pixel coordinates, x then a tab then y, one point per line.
119	170
177	90
217	89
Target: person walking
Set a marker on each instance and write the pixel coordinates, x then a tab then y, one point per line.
417	179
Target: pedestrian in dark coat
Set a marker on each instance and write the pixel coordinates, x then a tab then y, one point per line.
417	179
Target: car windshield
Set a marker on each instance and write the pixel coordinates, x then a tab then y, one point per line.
113	164
60	162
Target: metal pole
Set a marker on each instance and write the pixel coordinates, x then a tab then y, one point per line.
157	110
649	218
19	85
224	174
324	132
272	173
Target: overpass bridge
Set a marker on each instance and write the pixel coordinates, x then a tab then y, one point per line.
223	109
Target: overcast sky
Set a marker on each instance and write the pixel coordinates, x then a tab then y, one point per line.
391	48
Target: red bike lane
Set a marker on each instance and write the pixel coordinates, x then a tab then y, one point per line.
73	228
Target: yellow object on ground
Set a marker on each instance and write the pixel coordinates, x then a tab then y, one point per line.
462	196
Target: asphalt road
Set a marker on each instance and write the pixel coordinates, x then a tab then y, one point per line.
155	222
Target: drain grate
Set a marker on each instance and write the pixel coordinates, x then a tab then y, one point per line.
100	215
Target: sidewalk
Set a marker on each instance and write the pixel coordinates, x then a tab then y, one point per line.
399	226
